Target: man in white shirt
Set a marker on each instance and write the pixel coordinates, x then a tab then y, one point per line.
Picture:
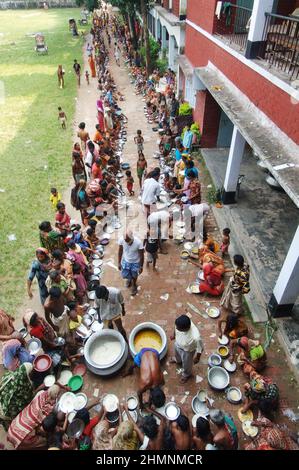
194	216
188	346
111	305
130	259
159	223
150	191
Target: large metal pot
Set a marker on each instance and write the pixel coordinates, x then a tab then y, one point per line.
116	363
146	326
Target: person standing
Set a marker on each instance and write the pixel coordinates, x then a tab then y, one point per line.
77	70
150	191
188	346
83	135
111	305
130	259
226	435
232	299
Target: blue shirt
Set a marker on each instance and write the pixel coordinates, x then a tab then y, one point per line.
138	357
187	139
178	155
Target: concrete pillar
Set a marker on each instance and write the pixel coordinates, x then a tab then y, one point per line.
172	52
257	23
286	290
164	42
233	167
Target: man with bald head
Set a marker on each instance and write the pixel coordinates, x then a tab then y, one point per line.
130	259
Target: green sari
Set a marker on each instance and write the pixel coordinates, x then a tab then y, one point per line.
16	392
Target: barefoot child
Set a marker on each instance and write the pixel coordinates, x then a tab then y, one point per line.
130	182
141	167
55	198
87	77
62	117
225	241
139	140
151	248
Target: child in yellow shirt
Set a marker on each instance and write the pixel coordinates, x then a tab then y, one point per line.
55	198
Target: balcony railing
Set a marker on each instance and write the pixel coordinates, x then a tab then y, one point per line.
280	44
233	25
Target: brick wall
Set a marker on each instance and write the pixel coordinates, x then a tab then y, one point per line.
207	113
202	13
273	101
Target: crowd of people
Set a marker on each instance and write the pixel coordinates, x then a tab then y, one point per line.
63	269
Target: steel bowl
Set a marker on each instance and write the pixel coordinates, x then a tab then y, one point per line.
223	351
34	345
105	368
218	378
23	332
230	367
234	395
214	360
146	326
91	295
132	403
75	428
87	320
59	341
172	411
199	407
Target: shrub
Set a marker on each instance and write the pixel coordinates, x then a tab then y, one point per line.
161	65
196	130
185	109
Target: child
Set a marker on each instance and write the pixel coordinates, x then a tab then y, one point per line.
141	167
81	284
151	248
138	139
225	241
87	77
130	182
62	117
55	198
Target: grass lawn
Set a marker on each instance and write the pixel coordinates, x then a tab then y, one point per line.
35	151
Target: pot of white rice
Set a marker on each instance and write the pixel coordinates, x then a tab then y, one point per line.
105	352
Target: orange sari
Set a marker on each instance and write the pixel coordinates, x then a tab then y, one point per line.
92	67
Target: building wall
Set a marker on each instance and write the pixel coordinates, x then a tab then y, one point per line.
273	101
207	113
202	13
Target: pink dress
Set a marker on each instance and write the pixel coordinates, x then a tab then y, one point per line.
100	108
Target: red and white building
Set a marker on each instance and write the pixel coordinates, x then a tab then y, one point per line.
240	73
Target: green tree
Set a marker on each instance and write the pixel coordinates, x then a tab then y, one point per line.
128	10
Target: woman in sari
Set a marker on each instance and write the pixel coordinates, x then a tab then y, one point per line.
232	326
40	269
194	187
261	392
80	199
126	437
50	239
92	66
14	354
23	430
16	391
252	355
271	436
212	283
62	264
39	328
